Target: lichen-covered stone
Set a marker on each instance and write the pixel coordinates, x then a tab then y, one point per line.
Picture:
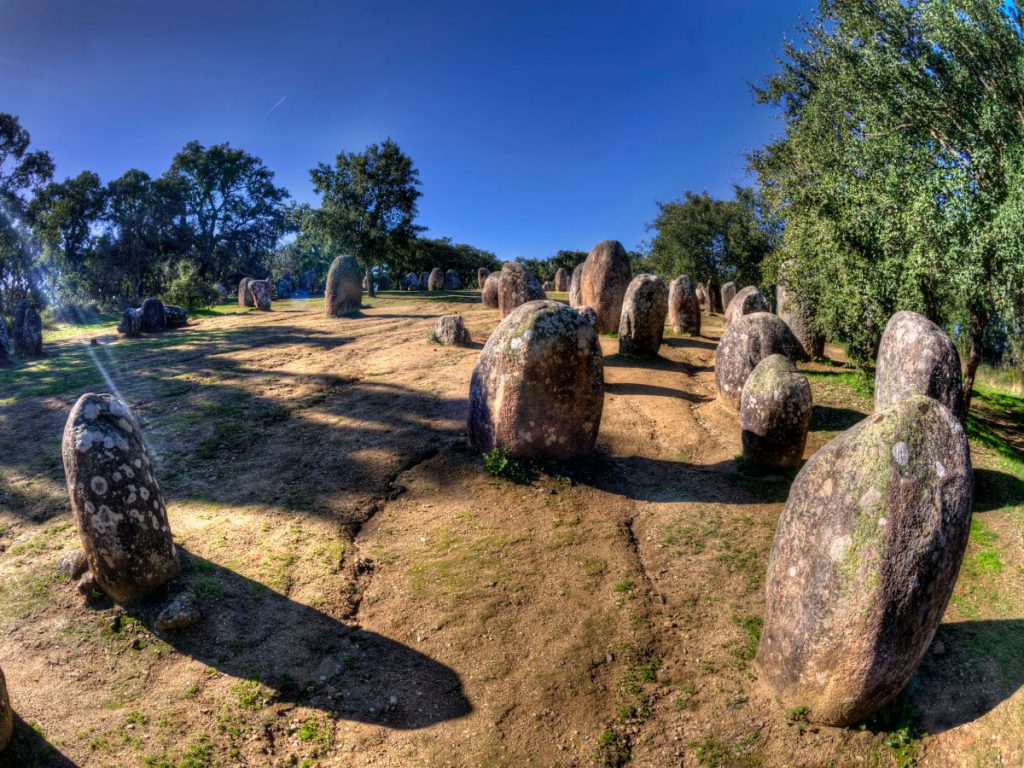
561	280
747	341
517	287
576	286
728	294
435	280
745	302
481	277
260	291
864	560
244	297
684	306
181	613
492	287
603	282
798	313
916	357
175	317
538	386
131	322
452	282
72	565
116	501
588	314
28	329
451	330
6	714
642	322
344	292
775	411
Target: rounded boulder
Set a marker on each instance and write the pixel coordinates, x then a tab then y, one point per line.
561	280
746	342
603	283
728	293
684	306
451	331
435	280
492	286
747	301
916	357
517	287
344	292
642	322
775	411
260	291
452	282
481	277
798	313
538	387
864	560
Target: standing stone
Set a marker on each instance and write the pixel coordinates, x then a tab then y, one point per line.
307	281
244	297
131	322
492	288
284	287
916	357
864	560
435	281
481	277
259	290
714	297
116	501
603	283
424	281
154	319
222	292
576	286
642	324
746	301
5	343
548	285
561	280
728	294
702	296
175	317
411	282
451	330
28	329
684	306
746	342
517	287
451	280
798	313
538	387
775	411
6	714
344	292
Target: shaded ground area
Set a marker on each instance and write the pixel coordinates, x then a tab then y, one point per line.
371	596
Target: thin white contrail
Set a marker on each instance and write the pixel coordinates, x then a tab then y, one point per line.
278	104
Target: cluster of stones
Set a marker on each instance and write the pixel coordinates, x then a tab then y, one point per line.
537	390
871	539
343	294
27	338
152	317
747	341
255	293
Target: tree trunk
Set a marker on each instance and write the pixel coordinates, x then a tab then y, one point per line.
369	279
978	324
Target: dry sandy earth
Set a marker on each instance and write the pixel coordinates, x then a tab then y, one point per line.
371	596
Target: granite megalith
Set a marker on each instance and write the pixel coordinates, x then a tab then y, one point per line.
642	321
517	286
684	306
746	301
775	412
343	294
746	342
603	282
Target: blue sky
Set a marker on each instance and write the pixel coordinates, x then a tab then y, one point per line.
535	126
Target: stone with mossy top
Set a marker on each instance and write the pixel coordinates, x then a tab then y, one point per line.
775	411
343	294
516	287
115	499
537	390
642	323
864	561
745	302
746	342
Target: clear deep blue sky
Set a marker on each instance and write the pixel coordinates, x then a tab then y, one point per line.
535	126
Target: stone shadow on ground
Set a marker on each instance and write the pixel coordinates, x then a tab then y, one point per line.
652	390
307	657
29	748
994	489
828	418
689	342
982	667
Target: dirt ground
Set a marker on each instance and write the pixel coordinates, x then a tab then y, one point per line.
372	596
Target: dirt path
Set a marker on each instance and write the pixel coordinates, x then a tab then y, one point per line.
372	596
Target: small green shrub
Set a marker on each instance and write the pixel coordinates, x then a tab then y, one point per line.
500	463
188	289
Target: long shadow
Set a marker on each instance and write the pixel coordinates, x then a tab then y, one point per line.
982	667
651	390
688	342
827	418
29	748
660	363
994	489
307	657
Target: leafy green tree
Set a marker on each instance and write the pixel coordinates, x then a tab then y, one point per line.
22	173
187	288
368	205
234	212
900	175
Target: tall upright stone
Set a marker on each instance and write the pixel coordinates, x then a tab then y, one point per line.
714	296
538	386
517	286
116	501
576	287
728	294
452	281
424	281
746	301
864	561
244	297
642	322
702	296
775	412
561	280
28	329
491	290
746	342
481	277
797	311
603	283
131	322
435	281
152	316
916	357
344	292
260	291
684	306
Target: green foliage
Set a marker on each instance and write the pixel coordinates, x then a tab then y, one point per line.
545	269
189	289
500	463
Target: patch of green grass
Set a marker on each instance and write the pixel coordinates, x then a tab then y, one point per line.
500	463
860	383
433	338
798	717
248	694
712	752
206	588
626	585
199	754
319	733
899	719
751	626
613	749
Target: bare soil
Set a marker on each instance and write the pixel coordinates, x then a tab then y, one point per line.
372	596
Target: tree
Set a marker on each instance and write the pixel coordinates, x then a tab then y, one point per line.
368	204
234	212
711	239
545	269
21	173
900	175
